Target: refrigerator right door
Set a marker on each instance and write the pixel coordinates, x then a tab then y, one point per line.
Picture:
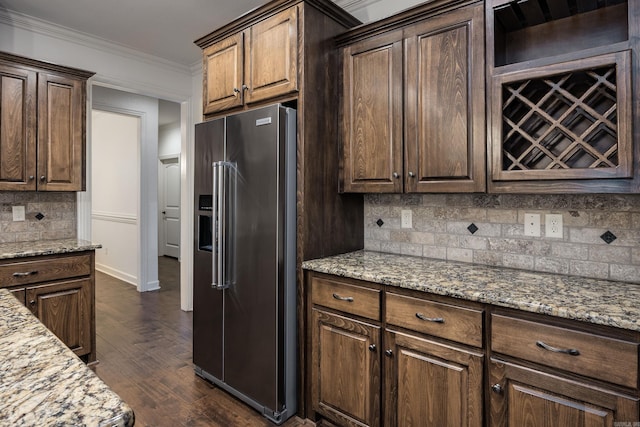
251	319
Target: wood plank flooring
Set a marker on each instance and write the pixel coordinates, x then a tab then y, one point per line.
144	344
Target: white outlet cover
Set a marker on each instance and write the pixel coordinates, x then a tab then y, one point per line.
18	213
532	225
406	219
553	225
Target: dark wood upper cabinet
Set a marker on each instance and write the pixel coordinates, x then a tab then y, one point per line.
561	104
372	115
445	106
18	88
413	110
42	125
258	63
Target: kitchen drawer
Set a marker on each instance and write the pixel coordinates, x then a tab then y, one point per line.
346	297
34	270
451	322
591	355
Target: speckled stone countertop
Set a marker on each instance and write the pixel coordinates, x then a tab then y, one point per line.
43	383
44	247
601	302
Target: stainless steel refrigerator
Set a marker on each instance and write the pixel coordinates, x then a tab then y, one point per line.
244	301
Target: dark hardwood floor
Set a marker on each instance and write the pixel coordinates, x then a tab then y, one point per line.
144	351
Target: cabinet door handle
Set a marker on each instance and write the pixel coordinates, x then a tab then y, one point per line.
569	351
412	175
497	388
429	319
338	297
236	90
372	347
389	353
31	177
25	273
32	302
396	175
42	178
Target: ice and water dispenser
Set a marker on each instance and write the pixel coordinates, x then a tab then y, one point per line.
205	223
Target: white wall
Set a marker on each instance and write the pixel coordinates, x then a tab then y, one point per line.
146	183
169	138
114	213
120	68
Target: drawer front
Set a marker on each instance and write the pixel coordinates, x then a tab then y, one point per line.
595	356
345	297
44	270
454	323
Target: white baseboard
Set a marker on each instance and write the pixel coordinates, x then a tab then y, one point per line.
125	277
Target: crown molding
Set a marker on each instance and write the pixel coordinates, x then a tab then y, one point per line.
46	28
353	5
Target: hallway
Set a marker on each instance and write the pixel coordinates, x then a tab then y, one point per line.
144	351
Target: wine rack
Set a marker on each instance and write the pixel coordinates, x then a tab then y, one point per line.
564	122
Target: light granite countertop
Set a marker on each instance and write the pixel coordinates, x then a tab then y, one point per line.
595	301
43	383
45	247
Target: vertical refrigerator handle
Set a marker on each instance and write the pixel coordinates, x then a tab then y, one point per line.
218	229
224	226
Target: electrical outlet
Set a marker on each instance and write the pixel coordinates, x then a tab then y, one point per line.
553	225
18	213
406	219
532	225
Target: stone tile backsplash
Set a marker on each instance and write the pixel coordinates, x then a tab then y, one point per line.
59	221
440	231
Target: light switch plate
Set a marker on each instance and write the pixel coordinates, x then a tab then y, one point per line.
532	225
18	213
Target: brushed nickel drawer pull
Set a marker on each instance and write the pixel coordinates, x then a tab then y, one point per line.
25	274
569	351
338	297
429	319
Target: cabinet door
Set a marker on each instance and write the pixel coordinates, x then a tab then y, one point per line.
17	128
445	106
345	373
525	397
65	308
372	115
61	133
222	72
271	66
431	384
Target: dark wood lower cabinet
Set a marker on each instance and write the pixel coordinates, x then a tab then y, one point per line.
65	309
345	369
521	396
391	357
59	290
430	384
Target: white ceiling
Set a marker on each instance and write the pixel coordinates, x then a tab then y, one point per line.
164	28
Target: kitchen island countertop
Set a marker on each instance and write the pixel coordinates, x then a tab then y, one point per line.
45	247
595	301
43	383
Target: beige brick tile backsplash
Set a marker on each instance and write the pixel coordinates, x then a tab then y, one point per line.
440	231
59	222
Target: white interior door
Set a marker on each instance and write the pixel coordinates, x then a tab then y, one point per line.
170	208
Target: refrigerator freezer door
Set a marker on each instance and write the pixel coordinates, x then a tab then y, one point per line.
208	303
251	305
